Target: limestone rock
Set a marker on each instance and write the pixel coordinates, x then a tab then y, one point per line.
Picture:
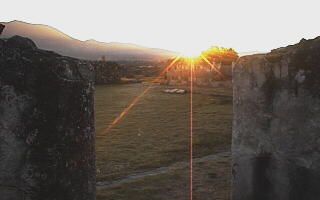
276	125
46	124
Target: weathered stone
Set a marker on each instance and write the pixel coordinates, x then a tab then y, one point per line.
276	125
1	28
47	137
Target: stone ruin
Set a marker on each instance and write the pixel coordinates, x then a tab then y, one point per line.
276	125
47	133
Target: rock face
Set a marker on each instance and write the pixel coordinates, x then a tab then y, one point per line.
107	72
276	126
46	124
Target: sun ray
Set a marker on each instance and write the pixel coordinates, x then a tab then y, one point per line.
214	67
191	62
134	102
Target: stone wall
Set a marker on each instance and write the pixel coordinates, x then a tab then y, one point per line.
47	135
276	125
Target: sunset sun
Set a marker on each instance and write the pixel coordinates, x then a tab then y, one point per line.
191	53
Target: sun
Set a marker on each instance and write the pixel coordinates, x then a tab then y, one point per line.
193	50
191	53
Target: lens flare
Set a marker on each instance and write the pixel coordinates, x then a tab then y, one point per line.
213	67
134	102
191	132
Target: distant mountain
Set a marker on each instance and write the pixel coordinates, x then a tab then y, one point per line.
49	38
249	53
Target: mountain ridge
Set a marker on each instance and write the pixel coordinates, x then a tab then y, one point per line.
50	38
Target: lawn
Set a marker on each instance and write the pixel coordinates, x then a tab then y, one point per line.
155	133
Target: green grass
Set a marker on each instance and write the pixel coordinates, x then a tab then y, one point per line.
155	132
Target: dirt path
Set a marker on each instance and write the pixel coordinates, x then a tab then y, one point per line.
159	170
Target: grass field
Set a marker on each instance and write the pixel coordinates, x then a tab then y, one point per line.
154	134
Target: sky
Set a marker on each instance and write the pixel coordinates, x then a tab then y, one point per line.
186	26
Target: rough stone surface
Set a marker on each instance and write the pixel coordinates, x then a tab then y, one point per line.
1	28
276	126
47	138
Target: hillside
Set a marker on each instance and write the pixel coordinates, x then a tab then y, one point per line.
49	38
